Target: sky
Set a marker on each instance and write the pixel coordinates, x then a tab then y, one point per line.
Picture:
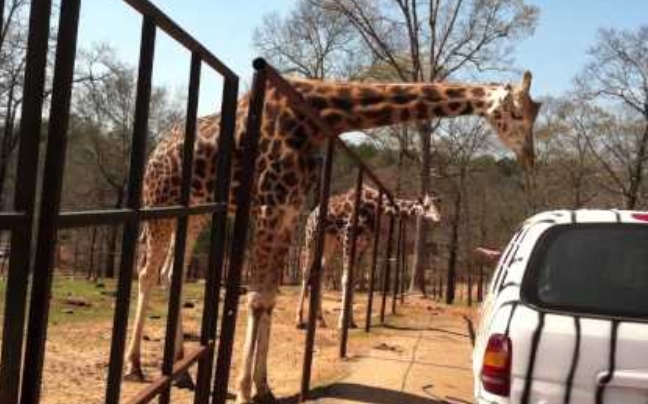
555	53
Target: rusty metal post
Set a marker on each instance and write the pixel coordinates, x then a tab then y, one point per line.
52	189
404	281
397	269
374	262
24	199
239	234
349	281
218	243
182	226
315	279
134	201
387	268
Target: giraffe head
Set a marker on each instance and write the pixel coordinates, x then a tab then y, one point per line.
428	207
512	113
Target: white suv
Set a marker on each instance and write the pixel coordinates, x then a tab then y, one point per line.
566	316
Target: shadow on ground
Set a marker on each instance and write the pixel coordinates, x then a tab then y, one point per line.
363	394
440	330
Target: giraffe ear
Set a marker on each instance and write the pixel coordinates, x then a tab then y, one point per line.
526	81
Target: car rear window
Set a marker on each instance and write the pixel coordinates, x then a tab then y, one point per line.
591	268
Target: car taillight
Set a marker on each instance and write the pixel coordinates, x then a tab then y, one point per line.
640	216
496	367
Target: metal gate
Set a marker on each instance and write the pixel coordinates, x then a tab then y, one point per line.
33	242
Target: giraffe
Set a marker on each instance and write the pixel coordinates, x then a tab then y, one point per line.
285	172
338	226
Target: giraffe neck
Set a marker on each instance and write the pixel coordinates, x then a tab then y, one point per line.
356	106
405	207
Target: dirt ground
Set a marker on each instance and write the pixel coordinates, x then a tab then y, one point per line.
77	350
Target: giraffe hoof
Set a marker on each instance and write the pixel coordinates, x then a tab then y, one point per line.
135	375
265	398
322	324
353	325
301	325
184	381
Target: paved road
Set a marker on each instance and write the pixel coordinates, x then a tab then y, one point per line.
421	357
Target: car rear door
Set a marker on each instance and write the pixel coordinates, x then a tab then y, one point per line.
584	338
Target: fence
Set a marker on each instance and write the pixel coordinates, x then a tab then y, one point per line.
266	75
51	219
33	243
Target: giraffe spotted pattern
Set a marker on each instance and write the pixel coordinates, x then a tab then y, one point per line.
285	172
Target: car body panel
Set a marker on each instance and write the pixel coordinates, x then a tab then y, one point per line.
560	357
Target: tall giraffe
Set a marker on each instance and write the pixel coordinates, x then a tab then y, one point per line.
285	172
338	227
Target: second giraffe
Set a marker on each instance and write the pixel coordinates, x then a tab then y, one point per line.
338	234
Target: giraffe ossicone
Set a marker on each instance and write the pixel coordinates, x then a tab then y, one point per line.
286	169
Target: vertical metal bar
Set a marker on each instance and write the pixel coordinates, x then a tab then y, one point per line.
250	148
180	243
387	268
404	263
348	296
218	237
52	185
374	261
2	9
397	269
134	201
25	199
315	281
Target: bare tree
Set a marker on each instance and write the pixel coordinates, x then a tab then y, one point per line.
433	41
104	110
458	144
566	166
618	72
13	43
310	42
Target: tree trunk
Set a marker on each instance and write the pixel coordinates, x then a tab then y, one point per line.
480	284
470	285
111	256
6	145
453	249
92	271
421	231
636	178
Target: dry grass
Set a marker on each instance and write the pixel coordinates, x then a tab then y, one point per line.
79	341
78	345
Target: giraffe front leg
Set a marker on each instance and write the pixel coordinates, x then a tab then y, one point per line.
361	248
346	281
303	293
271	243
263	393
184	380
244	394
329	249
156	239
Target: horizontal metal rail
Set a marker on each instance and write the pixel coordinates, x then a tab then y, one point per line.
12	220
113	216
164	381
